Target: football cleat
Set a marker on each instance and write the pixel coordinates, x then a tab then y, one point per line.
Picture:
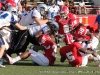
2	66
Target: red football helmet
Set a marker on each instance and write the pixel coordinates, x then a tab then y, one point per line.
43	38
0	5
10	3
72	23
64	9
68	38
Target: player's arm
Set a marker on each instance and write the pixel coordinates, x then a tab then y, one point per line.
19	6
86	51
20	27
39	21
90	34
90	52
62	59
6	28
37	47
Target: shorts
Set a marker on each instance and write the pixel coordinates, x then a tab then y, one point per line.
6	36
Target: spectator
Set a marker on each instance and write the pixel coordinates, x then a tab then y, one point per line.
71	3
71	7
24	12
82	6
98	21
49	2
31	0
29	8
66	2
60	2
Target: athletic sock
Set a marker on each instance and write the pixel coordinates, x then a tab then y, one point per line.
98	56
95	59
16	59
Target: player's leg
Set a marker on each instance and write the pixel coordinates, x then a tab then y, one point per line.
94	43
14	60
39	58
99	30
2	49
35	56
84	60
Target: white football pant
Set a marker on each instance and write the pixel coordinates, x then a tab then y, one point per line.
39	58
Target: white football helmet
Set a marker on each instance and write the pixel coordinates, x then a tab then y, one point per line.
42	8
13	10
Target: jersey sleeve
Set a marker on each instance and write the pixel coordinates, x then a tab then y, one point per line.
78	45
61	51
14	18
35	13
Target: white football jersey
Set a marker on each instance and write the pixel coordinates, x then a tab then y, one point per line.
34	29
28	18
6	18
53	11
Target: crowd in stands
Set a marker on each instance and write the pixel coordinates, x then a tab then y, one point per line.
80	9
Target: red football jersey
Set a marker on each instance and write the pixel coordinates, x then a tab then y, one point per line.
72	16
72	54
68	38
80	33
73	23
50	48
63	27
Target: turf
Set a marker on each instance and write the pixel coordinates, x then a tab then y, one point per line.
25	67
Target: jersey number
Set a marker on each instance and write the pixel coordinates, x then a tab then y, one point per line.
81	30
70	56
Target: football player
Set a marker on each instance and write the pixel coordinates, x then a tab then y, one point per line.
72	22
47	58
6	18
33	23
82	33
53	10
74	57
62	20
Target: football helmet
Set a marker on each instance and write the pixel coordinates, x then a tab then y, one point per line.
42	8
13	10
10	3
64	11
72	24
43	39
53	27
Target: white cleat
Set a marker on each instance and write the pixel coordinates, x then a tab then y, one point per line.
2	66
9	59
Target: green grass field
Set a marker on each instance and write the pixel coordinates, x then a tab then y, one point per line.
25	67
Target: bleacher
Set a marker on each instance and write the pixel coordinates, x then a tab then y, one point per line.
91	8
34	2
